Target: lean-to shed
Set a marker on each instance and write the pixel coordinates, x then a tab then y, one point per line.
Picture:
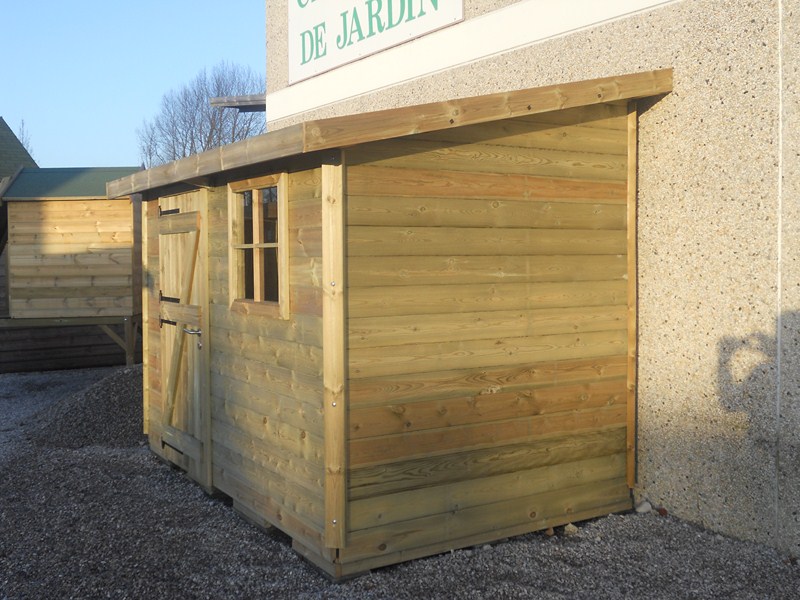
398	333
71	273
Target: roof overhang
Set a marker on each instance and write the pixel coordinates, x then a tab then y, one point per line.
251	103
339	132
5	183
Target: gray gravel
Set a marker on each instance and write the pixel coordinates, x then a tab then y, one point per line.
86	511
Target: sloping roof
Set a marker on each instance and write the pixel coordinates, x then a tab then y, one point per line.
13	154
77	182
340	132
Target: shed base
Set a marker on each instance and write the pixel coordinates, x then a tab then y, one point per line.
331	562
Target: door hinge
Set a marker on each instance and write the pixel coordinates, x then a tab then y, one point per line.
163	298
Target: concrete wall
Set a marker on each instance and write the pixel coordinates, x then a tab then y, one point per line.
787	486
719	246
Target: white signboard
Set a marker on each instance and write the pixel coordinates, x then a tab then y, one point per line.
324	34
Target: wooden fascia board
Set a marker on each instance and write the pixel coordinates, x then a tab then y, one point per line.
339	132
260	148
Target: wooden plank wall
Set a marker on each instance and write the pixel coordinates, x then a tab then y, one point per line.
4	282
266	379
487	332
53	348
57	347
70	258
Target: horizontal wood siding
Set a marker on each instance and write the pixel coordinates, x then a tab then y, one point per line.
56	347
61	347
487	331
71	258
266	379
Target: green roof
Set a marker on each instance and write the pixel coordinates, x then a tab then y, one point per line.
13	154
79	182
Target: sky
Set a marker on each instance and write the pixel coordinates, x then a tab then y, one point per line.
84	75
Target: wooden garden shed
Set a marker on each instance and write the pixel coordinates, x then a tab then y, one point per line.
70	279
398	333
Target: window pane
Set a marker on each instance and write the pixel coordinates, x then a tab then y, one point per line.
248	275
269	201
270	274
247	218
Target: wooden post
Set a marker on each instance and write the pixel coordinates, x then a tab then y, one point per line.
149	307
632	295
334	347
202	370
130	340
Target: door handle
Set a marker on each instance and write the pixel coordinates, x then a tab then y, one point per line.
192	331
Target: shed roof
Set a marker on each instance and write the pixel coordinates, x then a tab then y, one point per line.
339	132
75	182
13	154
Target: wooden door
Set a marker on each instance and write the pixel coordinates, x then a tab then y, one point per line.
183	314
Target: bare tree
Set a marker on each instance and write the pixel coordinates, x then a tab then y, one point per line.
187	123
24	137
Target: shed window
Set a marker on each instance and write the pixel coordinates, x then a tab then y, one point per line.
258	255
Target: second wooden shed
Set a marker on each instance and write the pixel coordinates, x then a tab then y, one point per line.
399	333
70	278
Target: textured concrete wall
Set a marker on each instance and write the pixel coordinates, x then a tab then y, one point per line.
719	245
277	45
788	477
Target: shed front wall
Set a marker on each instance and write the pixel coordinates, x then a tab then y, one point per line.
487	332
266	379
265	373
71	258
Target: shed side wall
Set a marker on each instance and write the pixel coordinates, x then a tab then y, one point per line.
487	331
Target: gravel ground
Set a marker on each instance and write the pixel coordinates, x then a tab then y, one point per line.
86	511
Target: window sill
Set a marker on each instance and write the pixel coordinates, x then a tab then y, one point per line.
270	310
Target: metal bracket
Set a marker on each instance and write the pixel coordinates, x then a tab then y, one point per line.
163	298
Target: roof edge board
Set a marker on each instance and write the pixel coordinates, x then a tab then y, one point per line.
337	132
260	148
385	124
